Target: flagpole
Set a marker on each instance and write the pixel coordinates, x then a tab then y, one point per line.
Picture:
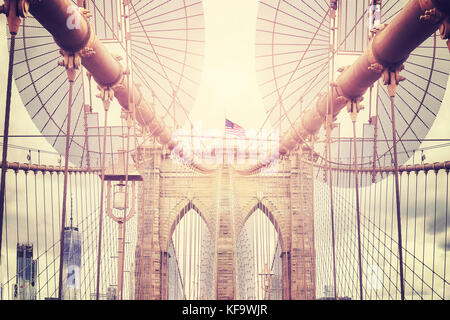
224	136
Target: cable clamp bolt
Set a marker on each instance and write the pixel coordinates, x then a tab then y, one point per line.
431	15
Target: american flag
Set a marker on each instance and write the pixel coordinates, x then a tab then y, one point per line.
233	128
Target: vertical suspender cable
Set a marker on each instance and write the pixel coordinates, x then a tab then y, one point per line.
186	293
26	206
53	226
191	254
254	253
268	234
356	173
200	258
102	189
446	230
260	252
333	236
434	231
196	245
7	255
199	243
397	197
45	225
66	170
6	126
37	235
129	114
176	246
329	128
425	211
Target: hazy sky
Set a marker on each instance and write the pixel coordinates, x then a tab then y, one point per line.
228	85
229	79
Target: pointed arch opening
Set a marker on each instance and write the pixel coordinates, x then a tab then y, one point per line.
258	253
191	256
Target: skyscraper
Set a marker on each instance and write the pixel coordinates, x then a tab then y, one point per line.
25	286
72	264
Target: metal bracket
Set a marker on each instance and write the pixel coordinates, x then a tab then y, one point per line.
14	11
106	95
333	8
128	117
20	8
431	15
392	78
334	4
354	107
71	61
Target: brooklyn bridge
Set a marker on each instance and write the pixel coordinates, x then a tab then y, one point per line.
224	150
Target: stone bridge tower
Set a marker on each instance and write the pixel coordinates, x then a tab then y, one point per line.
225	199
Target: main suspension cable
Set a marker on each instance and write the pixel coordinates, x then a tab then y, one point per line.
106	98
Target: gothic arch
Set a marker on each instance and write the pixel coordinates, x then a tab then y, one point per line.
182	208
269	209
